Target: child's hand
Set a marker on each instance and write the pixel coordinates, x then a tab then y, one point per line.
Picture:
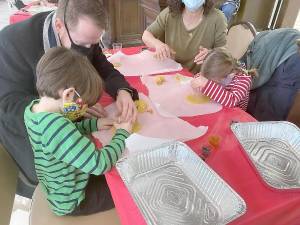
105	123
126	125
199	81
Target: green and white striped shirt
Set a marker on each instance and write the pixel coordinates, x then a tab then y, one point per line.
64	157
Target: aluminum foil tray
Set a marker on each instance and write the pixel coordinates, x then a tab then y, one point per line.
171	185
274	149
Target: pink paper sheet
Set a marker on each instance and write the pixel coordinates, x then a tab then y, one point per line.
171	95
156	126
143	63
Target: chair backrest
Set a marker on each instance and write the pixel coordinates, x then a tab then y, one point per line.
8	184
239	37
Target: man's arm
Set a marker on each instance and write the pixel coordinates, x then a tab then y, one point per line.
114	80
17	83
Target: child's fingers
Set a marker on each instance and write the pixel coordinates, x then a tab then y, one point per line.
87	115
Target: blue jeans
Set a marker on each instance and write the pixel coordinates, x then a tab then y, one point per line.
228	9
273	100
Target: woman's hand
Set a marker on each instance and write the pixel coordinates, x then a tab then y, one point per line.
163	51
199	59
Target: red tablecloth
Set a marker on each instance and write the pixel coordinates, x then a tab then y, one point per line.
265	206
19	16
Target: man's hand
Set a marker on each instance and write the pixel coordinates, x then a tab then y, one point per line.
126	107
199	59
95	111
105	123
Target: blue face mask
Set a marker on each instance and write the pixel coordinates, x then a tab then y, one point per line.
227	80
193	5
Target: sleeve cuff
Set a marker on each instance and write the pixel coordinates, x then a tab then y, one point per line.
134	94
94	126
123	132
205	89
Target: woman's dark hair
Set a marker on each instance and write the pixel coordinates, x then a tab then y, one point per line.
176	6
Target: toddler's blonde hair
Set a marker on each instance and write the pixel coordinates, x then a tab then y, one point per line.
219	63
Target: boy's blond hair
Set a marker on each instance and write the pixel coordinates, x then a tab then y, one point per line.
61	68
219	63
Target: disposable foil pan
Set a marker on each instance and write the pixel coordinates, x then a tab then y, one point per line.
172	186
274	149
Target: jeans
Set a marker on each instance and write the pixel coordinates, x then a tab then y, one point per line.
273	100
229	10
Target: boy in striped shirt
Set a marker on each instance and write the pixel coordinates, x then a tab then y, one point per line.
69	166
223	80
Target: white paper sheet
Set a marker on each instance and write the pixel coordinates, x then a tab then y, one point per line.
143	63
170	93
154	125
137	143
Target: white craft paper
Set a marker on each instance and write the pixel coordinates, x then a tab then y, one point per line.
138	143
171	96
142	63
155	125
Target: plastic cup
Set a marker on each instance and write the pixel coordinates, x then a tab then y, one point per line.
117	47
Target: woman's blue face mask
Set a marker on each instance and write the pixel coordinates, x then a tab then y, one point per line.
193	5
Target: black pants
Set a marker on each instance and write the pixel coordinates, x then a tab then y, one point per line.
97	197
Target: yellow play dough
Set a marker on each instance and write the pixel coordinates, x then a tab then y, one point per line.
136	127
180	77
142	106
117	64
159	80
197	99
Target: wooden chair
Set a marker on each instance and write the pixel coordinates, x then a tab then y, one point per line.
42	215
239	37
8	184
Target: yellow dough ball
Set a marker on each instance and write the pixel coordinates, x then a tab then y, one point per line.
159	80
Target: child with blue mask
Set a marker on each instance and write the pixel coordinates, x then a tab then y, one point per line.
224	80
68	165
